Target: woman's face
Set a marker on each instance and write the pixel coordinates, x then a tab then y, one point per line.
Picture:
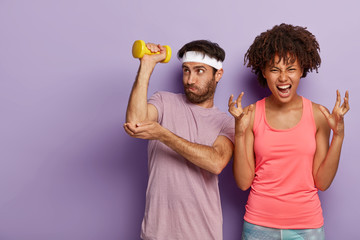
283	79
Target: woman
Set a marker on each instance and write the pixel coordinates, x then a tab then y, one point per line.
282	141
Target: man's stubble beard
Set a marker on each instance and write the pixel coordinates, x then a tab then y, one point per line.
204	95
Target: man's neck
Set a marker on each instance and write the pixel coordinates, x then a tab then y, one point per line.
206	104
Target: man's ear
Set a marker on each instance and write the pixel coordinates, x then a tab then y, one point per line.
218	75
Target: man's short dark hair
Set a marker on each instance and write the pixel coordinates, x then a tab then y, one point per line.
206	47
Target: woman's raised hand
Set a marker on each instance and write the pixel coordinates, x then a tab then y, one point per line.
242	115
336	118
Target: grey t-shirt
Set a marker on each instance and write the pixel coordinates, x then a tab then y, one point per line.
183	200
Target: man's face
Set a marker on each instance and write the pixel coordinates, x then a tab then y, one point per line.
199	82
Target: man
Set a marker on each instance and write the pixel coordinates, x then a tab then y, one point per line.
190	144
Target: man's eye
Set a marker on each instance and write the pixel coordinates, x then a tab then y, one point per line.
200	71
273	70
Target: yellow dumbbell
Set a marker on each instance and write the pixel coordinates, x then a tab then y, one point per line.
139	49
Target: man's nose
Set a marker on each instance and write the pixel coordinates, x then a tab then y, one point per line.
191	79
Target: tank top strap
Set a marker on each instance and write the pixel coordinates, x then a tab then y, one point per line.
308	115
259	113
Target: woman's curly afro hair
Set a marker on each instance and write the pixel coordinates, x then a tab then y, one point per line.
289	43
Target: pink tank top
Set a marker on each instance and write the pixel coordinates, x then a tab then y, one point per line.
283	193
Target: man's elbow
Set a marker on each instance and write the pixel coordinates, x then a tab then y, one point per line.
134	118
218	168
219	163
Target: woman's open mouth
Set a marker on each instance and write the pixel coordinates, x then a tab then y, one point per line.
284	90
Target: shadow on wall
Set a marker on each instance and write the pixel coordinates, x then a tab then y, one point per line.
254	91
233	201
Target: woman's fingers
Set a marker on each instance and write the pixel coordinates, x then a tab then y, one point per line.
238	100
230	100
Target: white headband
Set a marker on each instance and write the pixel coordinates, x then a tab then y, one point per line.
193	56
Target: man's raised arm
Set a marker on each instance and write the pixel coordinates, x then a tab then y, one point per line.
138	110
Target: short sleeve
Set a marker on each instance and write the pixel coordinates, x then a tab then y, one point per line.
228	129
157	101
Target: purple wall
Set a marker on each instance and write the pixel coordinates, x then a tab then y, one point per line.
67	168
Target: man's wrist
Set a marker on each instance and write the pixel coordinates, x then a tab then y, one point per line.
147	65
